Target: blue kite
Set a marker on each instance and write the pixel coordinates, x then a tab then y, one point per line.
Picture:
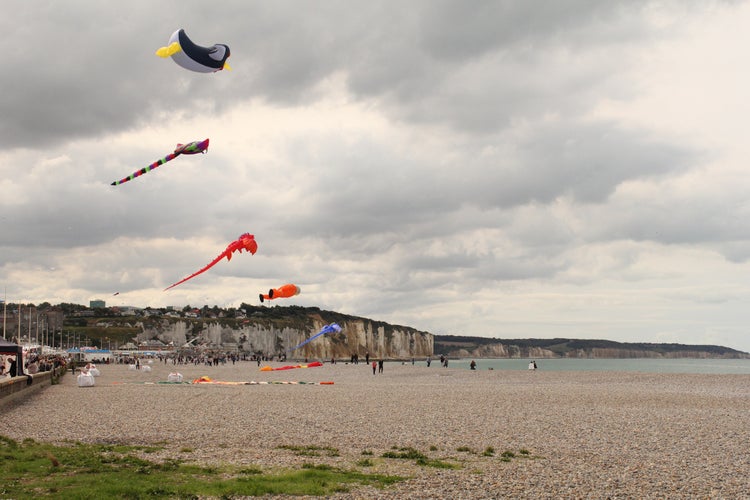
333	327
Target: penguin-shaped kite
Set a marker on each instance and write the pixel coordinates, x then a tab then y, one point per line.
194	57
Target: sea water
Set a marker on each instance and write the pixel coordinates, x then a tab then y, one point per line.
644	365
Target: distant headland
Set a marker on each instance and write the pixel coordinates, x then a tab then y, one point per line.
481	347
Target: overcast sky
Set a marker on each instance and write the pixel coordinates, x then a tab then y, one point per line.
504	169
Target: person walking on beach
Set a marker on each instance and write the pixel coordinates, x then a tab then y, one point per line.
373	367
380	366
473	365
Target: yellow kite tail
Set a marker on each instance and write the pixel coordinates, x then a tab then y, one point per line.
227	66
169	50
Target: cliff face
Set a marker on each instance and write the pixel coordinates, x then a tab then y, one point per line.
501	351
555	348
358	336
275	330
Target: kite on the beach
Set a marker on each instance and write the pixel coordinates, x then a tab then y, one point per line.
284	291
208	380
190	56
190	148
314	364
333	327
244	242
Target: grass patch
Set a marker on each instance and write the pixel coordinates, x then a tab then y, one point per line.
437	464
419	458
489	452
407	453
464	449
509	455
311	450
39	470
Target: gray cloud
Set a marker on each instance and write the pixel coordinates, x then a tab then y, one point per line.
419	163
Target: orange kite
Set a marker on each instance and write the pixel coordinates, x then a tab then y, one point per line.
284	291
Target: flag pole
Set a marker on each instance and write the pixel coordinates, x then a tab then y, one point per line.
5	309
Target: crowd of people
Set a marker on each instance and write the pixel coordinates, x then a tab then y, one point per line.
33	364
36	363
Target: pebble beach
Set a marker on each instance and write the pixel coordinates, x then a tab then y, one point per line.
509	434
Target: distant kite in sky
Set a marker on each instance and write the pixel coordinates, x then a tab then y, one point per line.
190	148
283	292
194	57
244	242
333	327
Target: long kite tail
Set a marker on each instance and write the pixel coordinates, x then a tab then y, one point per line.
138	173
333	327
204	269
305	342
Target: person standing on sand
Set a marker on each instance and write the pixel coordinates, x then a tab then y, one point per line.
373	367
473	365
380	366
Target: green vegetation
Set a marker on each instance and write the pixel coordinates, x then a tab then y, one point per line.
311	451
509	455
37	470
405	453
419	458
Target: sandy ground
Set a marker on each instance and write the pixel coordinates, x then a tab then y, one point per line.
564	434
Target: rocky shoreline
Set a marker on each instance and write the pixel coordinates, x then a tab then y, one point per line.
510	434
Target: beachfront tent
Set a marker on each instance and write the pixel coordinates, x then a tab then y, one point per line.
8	348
